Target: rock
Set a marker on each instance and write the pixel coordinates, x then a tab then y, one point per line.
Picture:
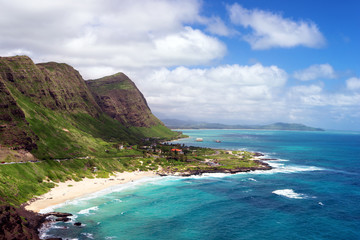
262	166
58	214
78	224
17	223
257	154
62	219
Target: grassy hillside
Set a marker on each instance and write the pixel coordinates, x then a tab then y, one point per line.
48	113
21	182
51	107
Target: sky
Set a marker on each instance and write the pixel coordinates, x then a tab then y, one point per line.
232	62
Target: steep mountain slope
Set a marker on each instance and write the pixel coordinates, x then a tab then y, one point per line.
68	89
14	129
49	110
118	96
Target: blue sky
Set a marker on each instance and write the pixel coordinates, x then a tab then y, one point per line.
236	62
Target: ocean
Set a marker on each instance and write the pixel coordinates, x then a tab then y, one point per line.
312	192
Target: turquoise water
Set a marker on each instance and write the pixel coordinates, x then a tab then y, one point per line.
313	192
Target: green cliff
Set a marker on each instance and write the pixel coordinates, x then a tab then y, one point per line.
118	96
50	111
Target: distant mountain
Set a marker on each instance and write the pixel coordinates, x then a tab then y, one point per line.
180	124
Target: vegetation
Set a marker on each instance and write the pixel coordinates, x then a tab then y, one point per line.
48	109
23	181
74	129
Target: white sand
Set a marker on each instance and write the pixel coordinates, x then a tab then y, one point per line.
69	190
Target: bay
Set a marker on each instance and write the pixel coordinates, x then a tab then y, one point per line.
313	192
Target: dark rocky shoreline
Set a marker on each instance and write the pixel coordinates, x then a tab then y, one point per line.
21	224
263	166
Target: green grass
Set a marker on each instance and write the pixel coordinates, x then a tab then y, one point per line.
21	182
115	85
67	135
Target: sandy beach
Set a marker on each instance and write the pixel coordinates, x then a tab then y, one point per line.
71	189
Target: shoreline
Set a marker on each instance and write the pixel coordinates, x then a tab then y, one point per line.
70	189
42	207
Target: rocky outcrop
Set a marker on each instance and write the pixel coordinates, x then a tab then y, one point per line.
118	96
18	224
261	166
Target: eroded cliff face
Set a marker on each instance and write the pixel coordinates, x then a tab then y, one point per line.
118	96
56	86
68	89
50	108
14	129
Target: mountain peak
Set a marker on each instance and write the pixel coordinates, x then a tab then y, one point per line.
119	97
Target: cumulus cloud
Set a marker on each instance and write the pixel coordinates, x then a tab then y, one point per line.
307	95
353	83
315	72
273	30
313	95
109	33
223	92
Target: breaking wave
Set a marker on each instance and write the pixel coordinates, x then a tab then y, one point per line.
289	193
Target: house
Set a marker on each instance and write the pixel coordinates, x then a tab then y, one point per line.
177	150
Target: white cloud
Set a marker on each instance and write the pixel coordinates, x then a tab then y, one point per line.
272	30
307	95
313	95
315	72
223	92
353	83
216	25
115	34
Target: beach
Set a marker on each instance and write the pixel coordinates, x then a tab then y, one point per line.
71	189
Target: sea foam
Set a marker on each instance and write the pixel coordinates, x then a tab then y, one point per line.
279	167
88	211
289	193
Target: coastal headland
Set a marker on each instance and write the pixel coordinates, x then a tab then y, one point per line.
196	161
57	181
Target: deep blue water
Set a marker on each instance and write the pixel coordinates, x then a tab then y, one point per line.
313	192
